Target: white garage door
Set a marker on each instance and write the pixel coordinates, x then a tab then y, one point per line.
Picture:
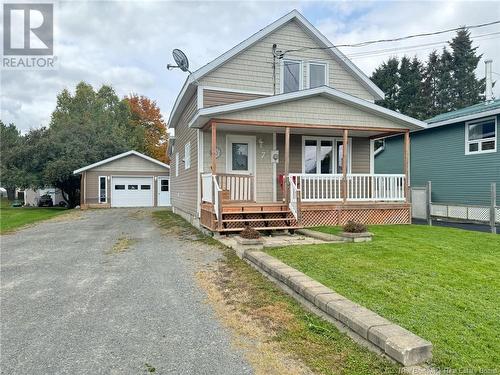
131	192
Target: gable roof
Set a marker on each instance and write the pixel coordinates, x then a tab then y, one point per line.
119	156
468	113
308	28
204	114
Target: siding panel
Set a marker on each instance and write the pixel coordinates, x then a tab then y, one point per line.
438	155
253	68
216	97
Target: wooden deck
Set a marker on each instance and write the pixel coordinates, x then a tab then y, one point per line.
276	216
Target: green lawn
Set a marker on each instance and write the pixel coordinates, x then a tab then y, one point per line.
13	218
441	283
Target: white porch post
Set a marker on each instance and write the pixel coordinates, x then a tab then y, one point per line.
287	163
344	164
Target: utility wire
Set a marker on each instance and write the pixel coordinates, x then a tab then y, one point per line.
390	50
363	44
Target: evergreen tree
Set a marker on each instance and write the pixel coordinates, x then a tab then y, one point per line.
430	86
445	95
466	88
409	100
387	78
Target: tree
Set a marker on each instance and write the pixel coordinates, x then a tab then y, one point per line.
430	85
146	115
386	77
10	139
466	88
85	127
445	95
409	98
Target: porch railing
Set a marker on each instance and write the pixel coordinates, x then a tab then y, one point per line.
359	187
206	187
239	186
294	203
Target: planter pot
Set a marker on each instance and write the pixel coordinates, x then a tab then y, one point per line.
358	237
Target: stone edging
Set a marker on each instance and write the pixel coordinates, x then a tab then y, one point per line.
395	341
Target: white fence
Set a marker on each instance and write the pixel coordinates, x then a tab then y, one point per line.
360	187
462	212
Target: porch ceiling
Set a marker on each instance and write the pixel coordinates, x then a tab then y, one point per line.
334	132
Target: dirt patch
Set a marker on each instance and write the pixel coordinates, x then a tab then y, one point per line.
121	245
254	331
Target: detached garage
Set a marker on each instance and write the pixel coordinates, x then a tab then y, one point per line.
130	179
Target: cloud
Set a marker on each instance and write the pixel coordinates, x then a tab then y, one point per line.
128	44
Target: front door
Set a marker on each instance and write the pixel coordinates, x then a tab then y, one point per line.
163	191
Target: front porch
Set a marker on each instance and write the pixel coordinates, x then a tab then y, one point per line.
308	176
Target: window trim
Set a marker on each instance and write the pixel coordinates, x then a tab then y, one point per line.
308	72
105	188
176	164
334	159
282	74
187	155
480	141
251	140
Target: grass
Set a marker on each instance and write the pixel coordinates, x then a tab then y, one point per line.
12	218
254	304
443	284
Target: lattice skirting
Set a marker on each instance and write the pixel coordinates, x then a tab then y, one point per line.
336	216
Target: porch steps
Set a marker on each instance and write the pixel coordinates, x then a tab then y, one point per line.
259	216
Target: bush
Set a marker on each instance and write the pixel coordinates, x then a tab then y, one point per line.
353	227
249	233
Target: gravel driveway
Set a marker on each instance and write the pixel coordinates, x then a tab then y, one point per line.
76	300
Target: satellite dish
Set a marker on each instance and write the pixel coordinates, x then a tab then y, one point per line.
181	60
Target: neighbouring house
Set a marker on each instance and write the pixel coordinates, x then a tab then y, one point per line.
278	132
32	196
458	153
130	179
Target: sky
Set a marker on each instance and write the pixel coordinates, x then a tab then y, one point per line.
128	44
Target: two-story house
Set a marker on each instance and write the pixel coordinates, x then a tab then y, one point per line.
278	132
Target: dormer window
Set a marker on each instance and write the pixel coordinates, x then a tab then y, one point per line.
317	74
291	71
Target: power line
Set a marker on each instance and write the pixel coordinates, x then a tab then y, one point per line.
363	44
473	37
413	48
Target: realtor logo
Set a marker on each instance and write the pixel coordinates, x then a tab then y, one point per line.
28	36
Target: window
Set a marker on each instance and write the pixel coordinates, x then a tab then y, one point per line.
241	153
317	74
145	187
133	187
187	155
291	71
481	136
103	184
318	155
119	187
177	164
164	185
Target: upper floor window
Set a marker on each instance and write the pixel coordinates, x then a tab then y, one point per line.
317	74
291	71
481	136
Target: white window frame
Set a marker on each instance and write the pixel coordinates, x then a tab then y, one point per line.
334	159
308	72
480	141
187	155
176	164
251	140
99	189
282	74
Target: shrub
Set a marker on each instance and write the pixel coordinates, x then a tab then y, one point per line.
249	233
353	227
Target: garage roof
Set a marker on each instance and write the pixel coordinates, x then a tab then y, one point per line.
119	156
